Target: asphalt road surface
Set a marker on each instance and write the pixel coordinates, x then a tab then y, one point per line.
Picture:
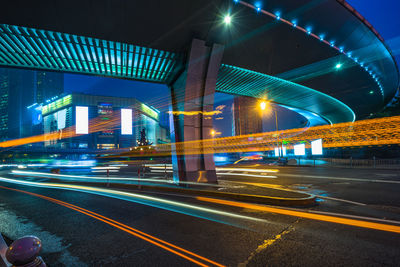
172	230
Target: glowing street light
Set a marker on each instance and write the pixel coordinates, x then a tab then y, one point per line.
227	19
263	105
338	66
214	133
267	105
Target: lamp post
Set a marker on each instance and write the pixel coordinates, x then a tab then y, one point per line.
263	106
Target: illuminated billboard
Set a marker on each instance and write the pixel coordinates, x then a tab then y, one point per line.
82	120
316	147
61	118
65	101
280	151
300	150
126	121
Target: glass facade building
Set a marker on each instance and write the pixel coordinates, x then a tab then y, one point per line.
20	88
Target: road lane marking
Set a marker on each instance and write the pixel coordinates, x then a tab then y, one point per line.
246	174
307	215
339	178
341	200
267	243
246	169
144	236
354	216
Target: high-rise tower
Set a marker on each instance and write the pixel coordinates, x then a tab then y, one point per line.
19	89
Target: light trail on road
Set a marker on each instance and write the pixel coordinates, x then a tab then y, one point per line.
246	174
306	215
370	132
68	177
246	169
170	205
188	255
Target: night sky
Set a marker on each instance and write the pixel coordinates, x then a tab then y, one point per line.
384	17
382	14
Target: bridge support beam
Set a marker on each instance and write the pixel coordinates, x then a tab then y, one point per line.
192	95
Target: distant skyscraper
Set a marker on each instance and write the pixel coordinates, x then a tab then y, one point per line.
19	89
246	116
48	85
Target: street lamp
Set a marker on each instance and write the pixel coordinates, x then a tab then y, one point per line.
263	106
227	19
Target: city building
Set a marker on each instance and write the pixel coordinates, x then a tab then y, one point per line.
122	118
247	118
19	89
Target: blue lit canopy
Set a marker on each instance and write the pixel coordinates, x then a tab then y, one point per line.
238	81
40	49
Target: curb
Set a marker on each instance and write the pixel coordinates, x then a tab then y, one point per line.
277	201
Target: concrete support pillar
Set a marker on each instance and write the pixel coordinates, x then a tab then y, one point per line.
192	94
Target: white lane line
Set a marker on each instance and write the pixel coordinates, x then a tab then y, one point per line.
352	216
246	169
339	178
341	200
246	174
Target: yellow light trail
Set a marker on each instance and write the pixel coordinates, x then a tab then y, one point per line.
194	113
246	169
307	215
372	132
188	255
381	131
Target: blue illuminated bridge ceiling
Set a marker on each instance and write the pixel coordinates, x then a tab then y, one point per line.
39	49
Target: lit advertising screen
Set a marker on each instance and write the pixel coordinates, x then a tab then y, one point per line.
300	150
82	120
61	119
280	151
126	121
283	151
316	147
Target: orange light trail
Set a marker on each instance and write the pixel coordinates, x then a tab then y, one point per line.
149	238
372	132
381	131
307	215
